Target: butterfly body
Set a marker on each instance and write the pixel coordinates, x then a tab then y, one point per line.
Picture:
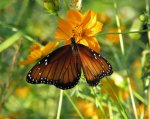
62	67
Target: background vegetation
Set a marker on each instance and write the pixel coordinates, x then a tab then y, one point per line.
122	95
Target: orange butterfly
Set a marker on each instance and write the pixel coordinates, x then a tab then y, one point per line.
62	67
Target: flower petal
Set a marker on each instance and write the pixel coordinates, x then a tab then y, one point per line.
48	48
81	27
60	35
34	55
74	17
89	19
97	28
67	42
27	61
35	46
65	27
84	42
93	43
94	30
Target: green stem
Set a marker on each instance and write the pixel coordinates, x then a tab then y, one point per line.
122	111
132	97
15	29
28	38
119	29
60	104
110	110
127	32
123	53
148	12
148	34
21	12
99	105
139	97
147	6
5	92
75	107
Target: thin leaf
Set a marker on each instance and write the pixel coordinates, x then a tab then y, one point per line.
10	41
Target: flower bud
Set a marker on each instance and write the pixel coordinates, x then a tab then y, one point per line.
143	18
52	6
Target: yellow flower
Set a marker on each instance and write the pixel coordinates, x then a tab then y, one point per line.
142	109
22	91
114	38
119	92
37	51
103	18
82	27
88	109
136	65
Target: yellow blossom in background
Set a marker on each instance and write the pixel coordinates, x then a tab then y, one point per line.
22	91
143	110
82	27
119	92
136	65
88	109
114	38
103	18
37	51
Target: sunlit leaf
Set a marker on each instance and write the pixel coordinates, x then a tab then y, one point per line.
10	41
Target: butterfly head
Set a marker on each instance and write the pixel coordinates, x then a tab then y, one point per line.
73	40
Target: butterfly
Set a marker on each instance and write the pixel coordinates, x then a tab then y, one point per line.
62	67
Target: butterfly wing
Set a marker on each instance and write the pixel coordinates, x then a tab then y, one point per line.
94	65
61	68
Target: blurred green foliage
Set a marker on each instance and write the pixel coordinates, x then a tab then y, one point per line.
23	22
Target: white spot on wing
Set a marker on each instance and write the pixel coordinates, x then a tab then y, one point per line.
46	63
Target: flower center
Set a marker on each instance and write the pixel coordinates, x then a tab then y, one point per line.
77	32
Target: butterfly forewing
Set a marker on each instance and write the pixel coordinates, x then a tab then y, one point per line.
61	68
94	65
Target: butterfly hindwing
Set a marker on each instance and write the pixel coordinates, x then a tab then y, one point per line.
94	65
61	68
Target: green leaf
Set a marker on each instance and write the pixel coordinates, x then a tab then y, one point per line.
10	41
